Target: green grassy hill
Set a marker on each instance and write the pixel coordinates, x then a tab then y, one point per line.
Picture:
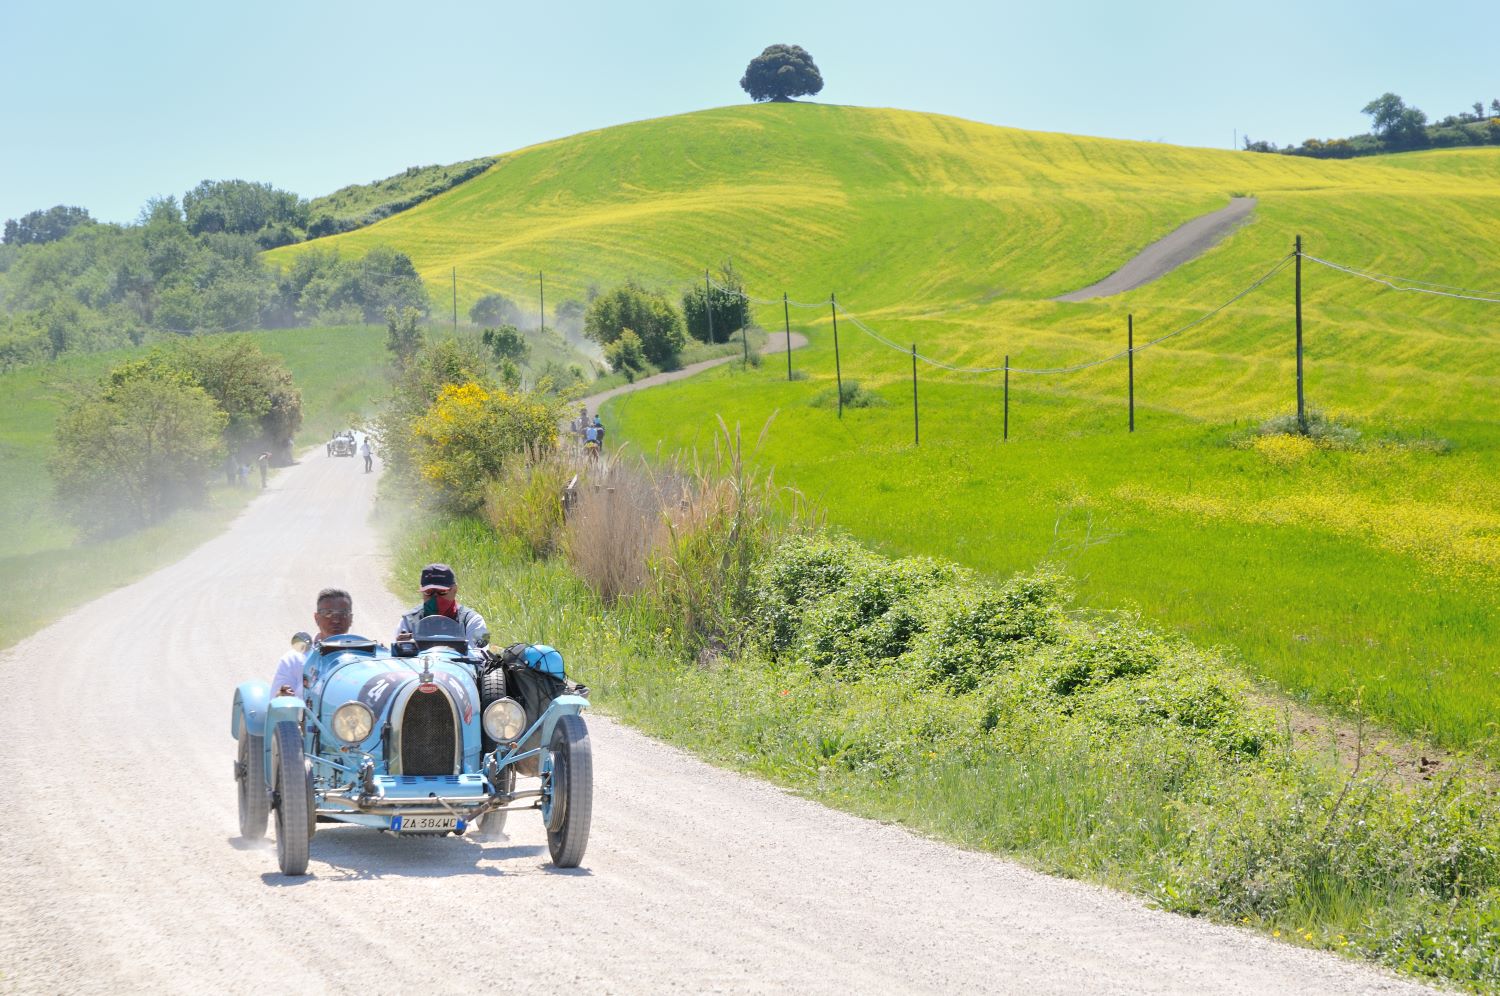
1369	575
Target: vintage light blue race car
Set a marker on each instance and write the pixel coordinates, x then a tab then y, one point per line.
426	738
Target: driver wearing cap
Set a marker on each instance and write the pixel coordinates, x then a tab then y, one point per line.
439	589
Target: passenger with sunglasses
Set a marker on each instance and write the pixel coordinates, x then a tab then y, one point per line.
333	614
439	587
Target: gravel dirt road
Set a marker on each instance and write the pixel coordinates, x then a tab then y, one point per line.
122	869
1187	242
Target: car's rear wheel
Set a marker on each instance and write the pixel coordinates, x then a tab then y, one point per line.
568	799
295	814
250	779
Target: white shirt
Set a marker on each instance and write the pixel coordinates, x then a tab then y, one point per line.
289	672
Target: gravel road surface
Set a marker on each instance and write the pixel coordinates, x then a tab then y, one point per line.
123	871
1189	241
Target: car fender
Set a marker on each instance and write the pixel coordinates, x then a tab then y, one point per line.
283	709
250	701
563	705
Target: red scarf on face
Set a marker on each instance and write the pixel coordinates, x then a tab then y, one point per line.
441	606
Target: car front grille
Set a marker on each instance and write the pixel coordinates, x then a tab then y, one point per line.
428	736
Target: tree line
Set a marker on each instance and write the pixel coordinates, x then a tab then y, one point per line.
69	283
1396	126
146	439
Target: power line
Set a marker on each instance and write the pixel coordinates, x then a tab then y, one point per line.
1437	290
1073	368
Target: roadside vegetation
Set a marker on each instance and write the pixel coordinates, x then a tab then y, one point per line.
337	371
710	608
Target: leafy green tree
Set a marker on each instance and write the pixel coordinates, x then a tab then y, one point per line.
403	336
495	309
334	289
649	314
507	343
39	227
255	391
144	445
1399	126
731	310
626	355
241	207
780	73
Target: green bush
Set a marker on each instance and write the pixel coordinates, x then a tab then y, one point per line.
854	396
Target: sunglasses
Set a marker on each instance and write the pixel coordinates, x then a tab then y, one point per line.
336	613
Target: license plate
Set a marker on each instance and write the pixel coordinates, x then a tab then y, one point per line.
426	824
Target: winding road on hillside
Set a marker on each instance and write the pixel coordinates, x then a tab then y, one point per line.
124	871
1184	244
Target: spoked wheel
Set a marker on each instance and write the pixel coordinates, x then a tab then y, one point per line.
568	791
491	826
295	814
250	779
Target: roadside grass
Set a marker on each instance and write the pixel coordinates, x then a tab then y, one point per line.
1330	572
340	372
1195	801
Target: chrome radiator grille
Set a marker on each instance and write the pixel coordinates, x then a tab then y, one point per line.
428	737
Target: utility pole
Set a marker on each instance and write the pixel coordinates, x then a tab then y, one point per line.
786	316
541	295
1130	354
1005	426
455	299
838	371
1301	404
708	305
916	419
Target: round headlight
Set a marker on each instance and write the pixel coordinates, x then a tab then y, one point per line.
352	722
504	720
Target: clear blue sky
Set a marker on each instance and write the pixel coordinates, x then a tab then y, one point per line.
107	104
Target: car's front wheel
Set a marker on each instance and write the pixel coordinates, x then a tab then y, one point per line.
250	779
295	813
568	799
491	825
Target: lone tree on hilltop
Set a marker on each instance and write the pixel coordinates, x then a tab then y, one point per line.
780	73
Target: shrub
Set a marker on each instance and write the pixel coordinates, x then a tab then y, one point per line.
507	343
472	432
142	447
525	501
494	310
647	313
854	396
612	530
626	355
1319	428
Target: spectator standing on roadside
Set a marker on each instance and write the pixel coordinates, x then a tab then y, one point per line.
368	452
264	462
